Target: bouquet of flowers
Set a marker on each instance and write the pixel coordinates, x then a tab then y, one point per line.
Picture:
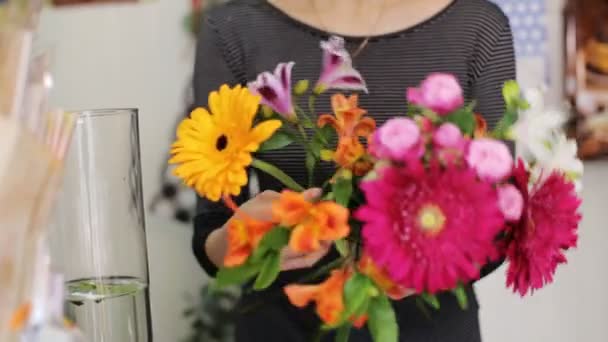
415	207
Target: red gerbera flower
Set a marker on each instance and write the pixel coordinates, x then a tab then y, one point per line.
430	230
548	228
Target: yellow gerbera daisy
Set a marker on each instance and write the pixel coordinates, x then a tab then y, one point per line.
212	150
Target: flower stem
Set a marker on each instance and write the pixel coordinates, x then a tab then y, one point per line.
277	174
312	99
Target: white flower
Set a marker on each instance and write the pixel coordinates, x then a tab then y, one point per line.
563	157
536	127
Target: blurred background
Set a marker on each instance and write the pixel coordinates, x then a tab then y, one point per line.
140	54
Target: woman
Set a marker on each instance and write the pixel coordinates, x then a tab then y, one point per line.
395	44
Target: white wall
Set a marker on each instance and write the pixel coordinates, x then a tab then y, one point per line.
134	56
138	56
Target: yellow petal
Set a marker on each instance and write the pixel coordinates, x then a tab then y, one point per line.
265	130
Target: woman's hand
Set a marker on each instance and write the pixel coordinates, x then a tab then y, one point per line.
260	208
291	260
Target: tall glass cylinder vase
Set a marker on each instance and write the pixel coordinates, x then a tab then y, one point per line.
98	237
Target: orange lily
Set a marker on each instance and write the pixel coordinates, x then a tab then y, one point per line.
291	208
348	120
244	235
328	296
349	123
312	222
381	279
481	127
326	221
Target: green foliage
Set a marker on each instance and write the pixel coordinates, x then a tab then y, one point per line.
356	295
212	316
228	276
269	272
461	296
343	190
431	300
382	320
343	333
463	118
279	140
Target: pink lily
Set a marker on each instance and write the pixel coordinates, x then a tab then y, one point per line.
275	90
338	71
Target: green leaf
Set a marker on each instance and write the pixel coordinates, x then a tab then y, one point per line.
279	140
461	296
343	333
382	320
274	240
504	125
464	119
342	247
431	300
511	93
343	189
270	271
356	291
311	163
236	275
328	133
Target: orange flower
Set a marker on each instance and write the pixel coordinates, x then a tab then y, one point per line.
291	208
328	296
244	235
381	279
312	222
359	322
481	127
350	125
326	221
348	120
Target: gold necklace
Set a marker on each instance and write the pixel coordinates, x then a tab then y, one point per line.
365	41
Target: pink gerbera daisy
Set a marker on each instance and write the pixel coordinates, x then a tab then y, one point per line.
547	229
430	230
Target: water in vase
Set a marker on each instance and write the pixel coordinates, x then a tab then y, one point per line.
111	309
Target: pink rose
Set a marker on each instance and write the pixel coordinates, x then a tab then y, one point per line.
397	139
490	158
448	135
511	202
439	92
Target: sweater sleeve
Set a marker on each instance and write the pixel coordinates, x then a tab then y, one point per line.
216	64
494	65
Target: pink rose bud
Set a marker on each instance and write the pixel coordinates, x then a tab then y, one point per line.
491	159
511	202
448	135
398	139
439	92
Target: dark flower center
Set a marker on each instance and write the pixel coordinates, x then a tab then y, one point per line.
221	143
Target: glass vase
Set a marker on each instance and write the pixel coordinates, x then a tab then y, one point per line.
98	238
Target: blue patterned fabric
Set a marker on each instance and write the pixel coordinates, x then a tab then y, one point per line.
528	22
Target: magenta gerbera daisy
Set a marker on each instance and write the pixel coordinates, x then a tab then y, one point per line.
547	229
430	230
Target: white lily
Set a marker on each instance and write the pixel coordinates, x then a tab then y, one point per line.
563	157
536	127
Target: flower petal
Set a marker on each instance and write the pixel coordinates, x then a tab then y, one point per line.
301	295
305	238
291	208
265	130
